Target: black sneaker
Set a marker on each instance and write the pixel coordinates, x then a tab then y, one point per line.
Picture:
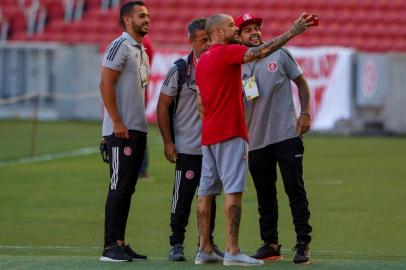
217	251
135	256
176	253
115	253
302	255
269	252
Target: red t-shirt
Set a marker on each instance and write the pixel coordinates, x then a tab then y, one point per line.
218	75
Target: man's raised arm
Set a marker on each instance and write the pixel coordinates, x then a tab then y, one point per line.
268	47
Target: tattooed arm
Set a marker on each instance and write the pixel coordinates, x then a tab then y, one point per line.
268	47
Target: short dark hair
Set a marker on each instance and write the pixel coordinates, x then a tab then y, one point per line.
127	9
196	25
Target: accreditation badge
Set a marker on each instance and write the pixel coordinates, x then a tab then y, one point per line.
144	75
250	88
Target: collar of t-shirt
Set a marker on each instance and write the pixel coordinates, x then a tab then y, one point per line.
215	46
128	37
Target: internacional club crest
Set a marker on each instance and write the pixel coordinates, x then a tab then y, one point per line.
190	174
246	17
272	67
127	151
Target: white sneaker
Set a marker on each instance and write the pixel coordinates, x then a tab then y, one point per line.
240	259
205	258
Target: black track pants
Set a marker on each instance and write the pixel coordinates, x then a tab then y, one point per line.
125	160
187	178
288	155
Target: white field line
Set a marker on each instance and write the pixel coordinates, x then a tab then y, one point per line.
59	155
53	156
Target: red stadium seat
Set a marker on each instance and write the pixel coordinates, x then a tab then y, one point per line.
18	23
57	26
10	11
371	25
93	4
54	9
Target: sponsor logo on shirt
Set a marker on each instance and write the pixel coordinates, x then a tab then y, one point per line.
272	67
190	174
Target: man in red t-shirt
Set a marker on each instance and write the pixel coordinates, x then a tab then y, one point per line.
224	134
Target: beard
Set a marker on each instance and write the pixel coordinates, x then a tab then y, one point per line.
234	39
251	43
140	29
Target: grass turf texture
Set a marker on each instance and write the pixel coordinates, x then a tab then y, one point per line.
51	212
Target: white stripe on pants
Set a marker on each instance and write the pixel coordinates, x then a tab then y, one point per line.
115	165
175	197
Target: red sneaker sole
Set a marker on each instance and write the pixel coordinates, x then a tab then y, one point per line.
273	258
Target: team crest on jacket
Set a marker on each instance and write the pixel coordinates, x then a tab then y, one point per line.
190	174
272	67
127	151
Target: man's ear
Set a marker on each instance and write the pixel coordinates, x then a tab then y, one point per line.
220	32
127	20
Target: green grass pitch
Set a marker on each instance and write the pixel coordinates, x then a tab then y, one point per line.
51	212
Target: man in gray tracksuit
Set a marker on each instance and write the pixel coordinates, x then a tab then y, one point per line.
184	146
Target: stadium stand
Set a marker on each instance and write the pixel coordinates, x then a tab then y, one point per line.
367	25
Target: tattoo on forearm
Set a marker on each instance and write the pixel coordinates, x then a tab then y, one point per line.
235	218
270	46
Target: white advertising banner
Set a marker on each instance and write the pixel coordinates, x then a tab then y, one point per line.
327	70
328	73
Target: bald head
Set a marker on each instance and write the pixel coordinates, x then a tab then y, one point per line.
221	29
215	21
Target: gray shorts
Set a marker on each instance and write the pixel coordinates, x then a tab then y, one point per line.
224	166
